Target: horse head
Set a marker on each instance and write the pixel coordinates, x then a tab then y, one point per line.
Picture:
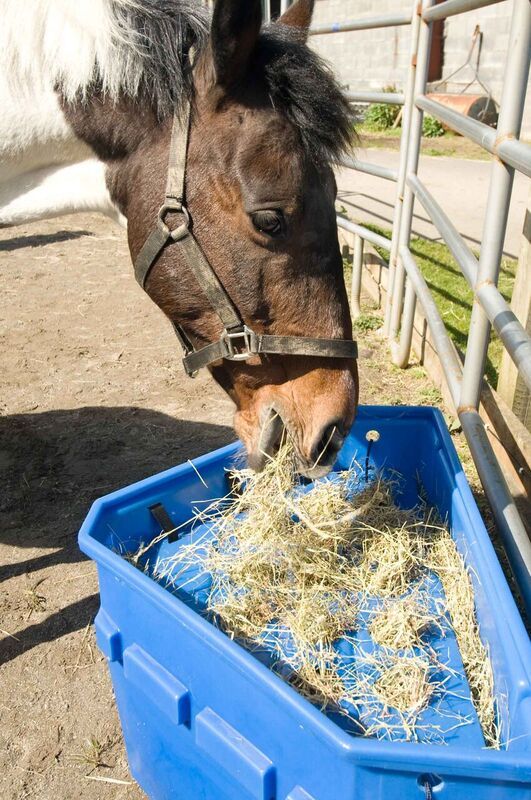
268	121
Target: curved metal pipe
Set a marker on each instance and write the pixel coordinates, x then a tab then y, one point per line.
445	349
451	7
401	350
389	98
407	113
357	271
510	330
365	233
370	169
402	238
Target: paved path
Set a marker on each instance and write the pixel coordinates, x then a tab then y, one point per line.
459	185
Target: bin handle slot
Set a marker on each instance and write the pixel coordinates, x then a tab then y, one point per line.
163	689
236	754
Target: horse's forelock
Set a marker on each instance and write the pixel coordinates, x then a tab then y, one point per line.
302	87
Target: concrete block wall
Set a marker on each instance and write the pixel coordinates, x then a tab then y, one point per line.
364	60
494	22
367	60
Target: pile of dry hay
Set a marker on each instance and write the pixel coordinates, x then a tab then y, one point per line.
294	571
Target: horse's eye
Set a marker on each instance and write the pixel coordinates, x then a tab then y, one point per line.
270	222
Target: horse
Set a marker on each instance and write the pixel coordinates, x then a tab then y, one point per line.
91	95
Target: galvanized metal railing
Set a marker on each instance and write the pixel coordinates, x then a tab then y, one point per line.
406	285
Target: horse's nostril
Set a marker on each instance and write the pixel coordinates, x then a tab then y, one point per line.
271	433
328	444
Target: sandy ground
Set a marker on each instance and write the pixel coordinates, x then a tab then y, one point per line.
92	398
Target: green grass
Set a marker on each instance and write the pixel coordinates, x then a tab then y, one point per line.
449	144
367	322
367	130
453	295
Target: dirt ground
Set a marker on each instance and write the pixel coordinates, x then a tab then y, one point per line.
92	398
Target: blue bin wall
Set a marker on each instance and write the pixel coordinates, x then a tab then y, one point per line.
203	719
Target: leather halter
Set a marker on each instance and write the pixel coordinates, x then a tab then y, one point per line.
238	342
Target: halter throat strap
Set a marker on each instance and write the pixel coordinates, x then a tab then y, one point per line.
238	342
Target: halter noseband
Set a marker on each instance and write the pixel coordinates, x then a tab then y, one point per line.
238	342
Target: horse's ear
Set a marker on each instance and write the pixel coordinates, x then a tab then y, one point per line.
299	15
235	28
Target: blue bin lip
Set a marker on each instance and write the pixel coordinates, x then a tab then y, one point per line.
487	763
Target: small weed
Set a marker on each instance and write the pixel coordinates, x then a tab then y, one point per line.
34	600
418	372
435	151
92	755
431	127
367	322
430	395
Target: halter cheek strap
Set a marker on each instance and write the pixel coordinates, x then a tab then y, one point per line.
238	342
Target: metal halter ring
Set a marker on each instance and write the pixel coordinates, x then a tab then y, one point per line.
240	344
182	230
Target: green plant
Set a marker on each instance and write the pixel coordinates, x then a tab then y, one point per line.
93	753
380	116
431	127
367	322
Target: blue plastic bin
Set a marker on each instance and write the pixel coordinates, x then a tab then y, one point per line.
205	720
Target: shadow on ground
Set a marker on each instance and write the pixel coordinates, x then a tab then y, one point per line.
54	464
39	240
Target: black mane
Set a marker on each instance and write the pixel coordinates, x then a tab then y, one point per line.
303	88
299	83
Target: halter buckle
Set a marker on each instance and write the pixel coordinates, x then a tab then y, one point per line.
174	207
240	345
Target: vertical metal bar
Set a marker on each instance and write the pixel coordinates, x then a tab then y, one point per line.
401	350
409	96
267	10
283	5
499	197
357	269
404	235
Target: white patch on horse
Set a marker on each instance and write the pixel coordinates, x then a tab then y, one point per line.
53	191
61	41
44	169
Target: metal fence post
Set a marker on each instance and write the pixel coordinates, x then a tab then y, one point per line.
494	229
511	386
400	354
357	270
409	99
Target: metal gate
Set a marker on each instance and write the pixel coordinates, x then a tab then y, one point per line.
406	285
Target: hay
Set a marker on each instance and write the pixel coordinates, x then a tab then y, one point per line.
446	561
406	685
295	572
401	624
